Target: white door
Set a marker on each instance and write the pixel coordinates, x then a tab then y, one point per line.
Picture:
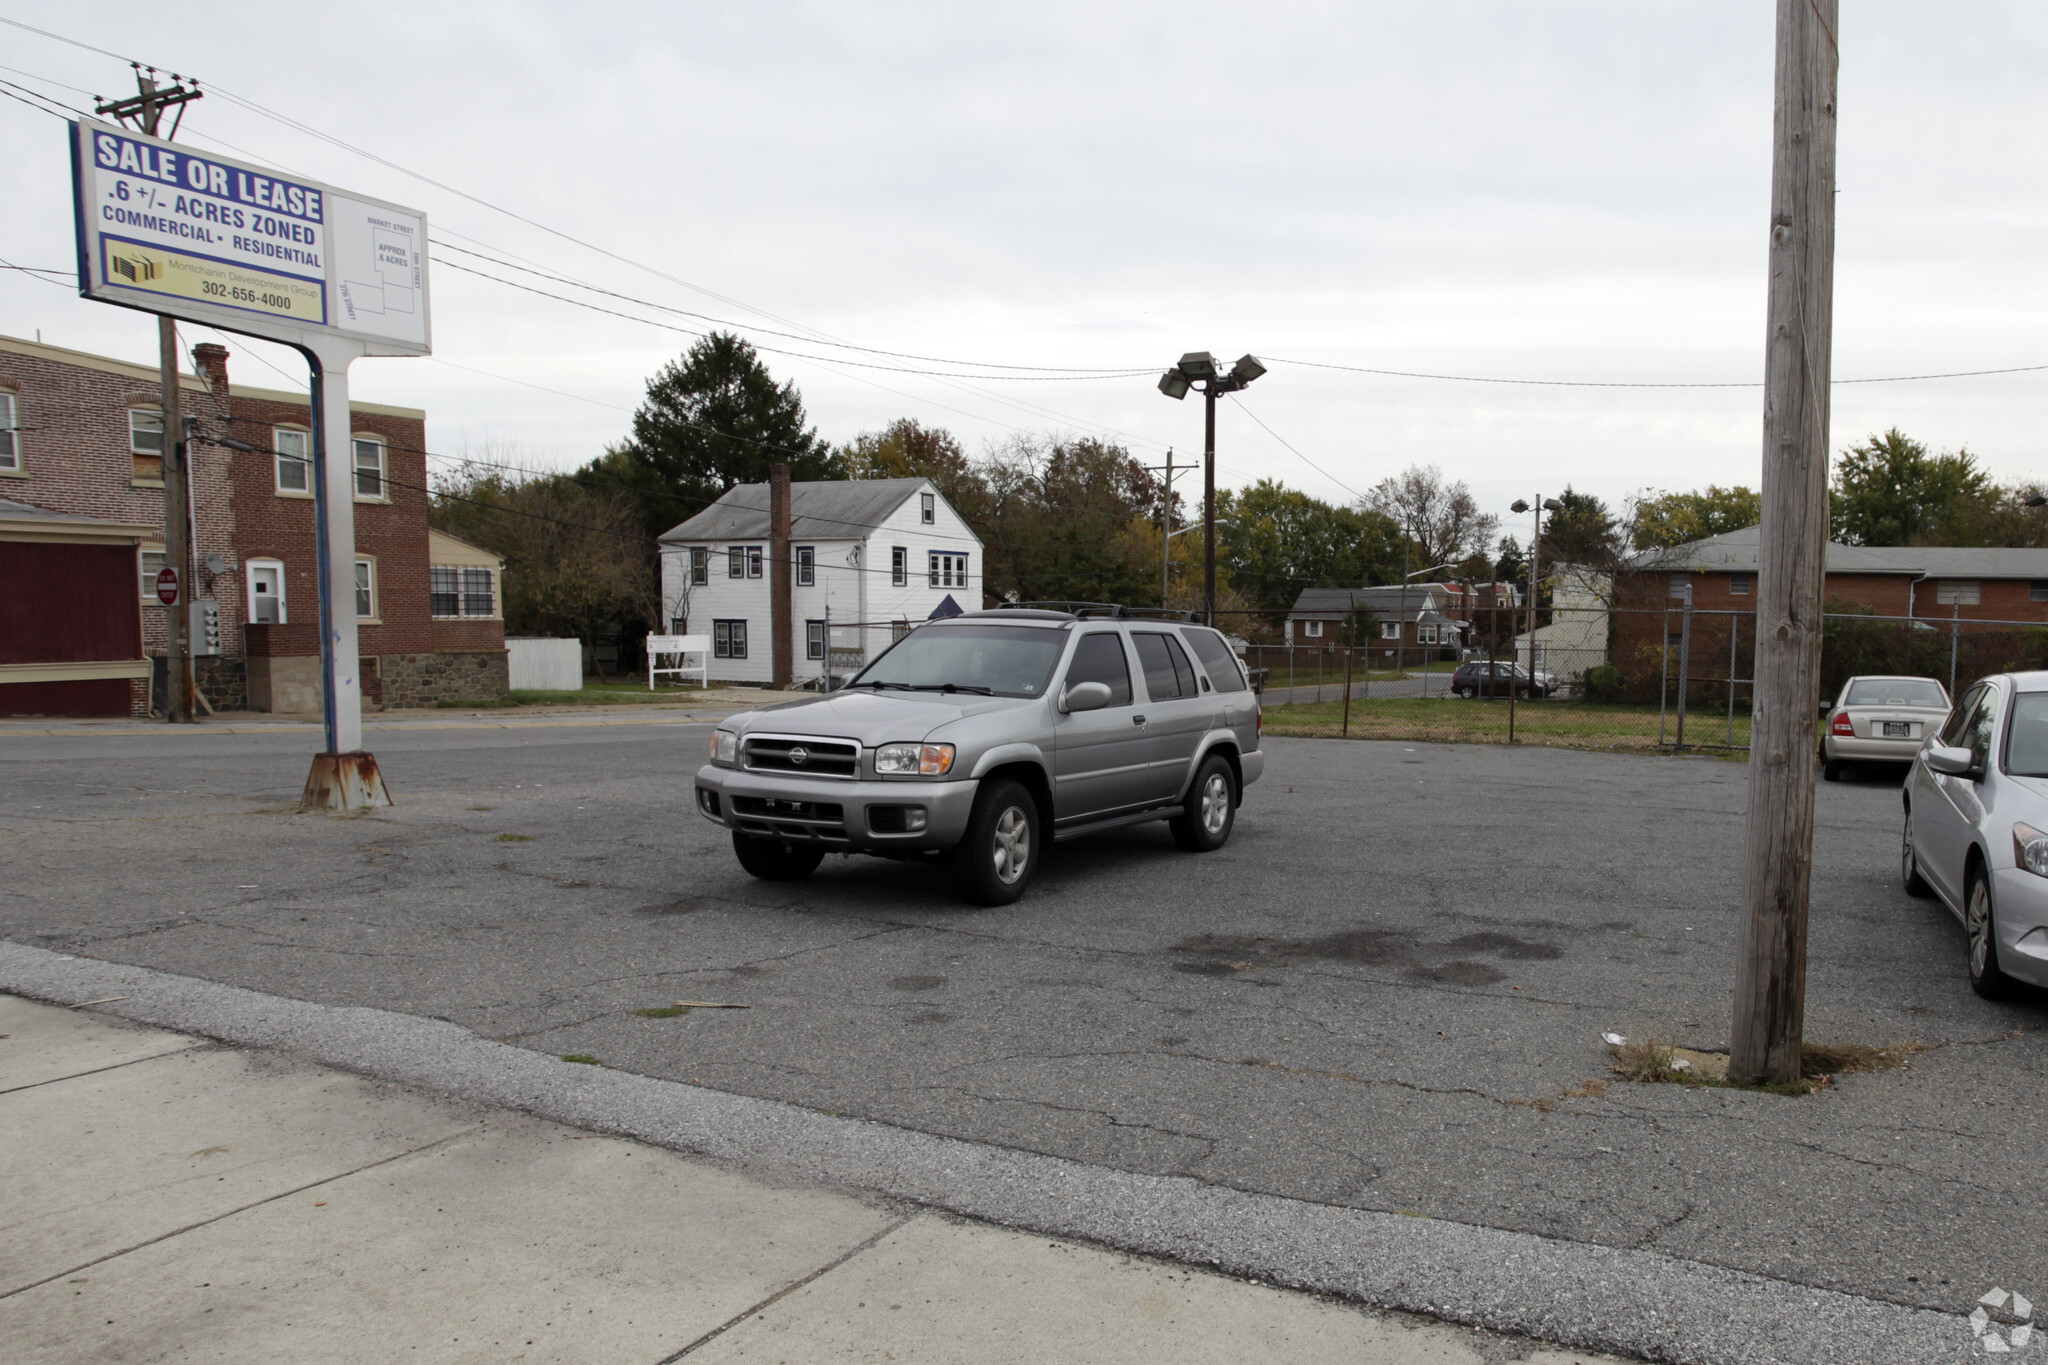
266	594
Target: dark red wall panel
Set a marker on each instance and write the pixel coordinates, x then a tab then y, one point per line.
99	697
68	603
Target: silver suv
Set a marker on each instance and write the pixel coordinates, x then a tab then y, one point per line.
984	737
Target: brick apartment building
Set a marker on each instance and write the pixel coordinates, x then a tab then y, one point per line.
88	441
1930	589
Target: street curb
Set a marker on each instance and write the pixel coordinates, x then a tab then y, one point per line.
1577	1294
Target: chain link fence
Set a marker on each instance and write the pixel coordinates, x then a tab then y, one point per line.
1676	681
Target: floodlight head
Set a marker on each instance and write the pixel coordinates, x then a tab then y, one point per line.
1198	365
1552	505
1518	506
1173	384
2036	501
1246	370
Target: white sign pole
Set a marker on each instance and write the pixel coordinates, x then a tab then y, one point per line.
334	513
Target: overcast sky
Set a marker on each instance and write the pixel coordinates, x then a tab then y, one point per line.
1522	190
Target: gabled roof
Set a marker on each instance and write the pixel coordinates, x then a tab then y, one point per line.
1737	551
828	509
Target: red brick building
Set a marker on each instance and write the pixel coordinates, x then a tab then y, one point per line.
88	441
1927	589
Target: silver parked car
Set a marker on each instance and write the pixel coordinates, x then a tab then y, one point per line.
1879	719
983	737
1976	829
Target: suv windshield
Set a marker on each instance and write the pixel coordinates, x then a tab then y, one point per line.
1001	660
1895	692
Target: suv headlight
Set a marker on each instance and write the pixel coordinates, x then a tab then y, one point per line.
2030	849
922	760
725	747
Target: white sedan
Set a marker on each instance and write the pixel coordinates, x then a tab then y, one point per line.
1879	719
1976	830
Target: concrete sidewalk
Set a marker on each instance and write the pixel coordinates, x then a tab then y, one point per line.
173	1199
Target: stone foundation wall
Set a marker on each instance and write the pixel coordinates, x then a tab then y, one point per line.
223	680
452	675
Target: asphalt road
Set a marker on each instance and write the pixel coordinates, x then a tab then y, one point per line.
1378	995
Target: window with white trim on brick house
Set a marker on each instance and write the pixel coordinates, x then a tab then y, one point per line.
10	434
369	469
146	442
152	565
1958	592
294	450
366	589
1312	629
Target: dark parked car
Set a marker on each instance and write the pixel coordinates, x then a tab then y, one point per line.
1483	679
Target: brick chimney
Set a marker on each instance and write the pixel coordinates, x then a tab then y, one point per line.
212	360
779	575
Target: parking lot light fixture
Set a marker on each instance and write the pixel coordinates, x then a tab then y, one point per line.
1198	368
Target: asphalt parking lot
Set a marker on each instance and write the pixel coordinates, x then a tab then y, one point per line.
1378	995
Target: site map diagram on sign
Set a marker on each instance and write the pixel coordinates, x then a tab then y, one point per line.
379	266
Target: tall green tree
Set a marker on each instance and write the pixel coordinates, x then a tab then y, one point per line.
908	449
1583	532
1891	491
1064	522
1275	541
1667	519
712	419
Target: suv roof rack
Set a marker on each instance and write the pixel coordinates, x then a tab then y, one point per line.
1084	610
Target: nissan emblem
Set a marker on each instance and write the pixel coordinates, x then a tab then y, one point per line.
799	756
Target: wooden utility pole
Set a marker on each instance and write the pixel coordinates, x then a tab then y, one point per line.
1770	973
146	109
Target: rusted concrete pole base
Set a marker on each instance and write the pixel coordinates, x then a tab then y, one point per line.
344	782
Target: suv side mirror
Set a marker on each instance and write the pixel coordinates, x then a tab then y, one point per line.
1086	696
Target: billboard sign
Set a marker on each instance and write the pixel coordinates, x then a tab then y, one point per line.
200	237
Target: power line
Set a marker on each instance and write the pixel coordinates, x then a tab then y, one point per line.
1062	370
1303	458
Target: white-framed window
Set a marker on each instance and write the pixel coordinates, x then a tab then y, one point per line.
948	569
1312	629
753	561
700	567
807	571
1958	592
152	565
1425	635
897	630
369	469
461	590
2037	591
1738	584
10	434
814	639
736	561
928	508
294	448
366	589
728	639
1390	630
899	565
145	431
265	591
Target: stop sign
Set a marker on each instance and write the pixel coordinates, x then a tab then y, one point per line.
167	587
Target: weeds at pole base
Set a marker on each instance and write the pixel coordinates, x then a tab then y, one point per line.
1654	1062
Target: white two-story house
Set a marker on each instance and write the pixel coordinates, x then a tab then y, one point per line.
871	558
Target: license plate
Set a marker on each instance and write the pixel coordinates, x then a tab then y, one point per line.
1898	729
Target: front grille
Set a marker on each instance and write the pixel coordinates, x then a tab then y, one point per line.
810	757
775	808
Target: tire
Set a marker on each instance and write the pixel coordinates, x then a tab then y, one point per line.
774	861
1210	813
1831	769
1463	692
1909	863
1980	922
999	854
